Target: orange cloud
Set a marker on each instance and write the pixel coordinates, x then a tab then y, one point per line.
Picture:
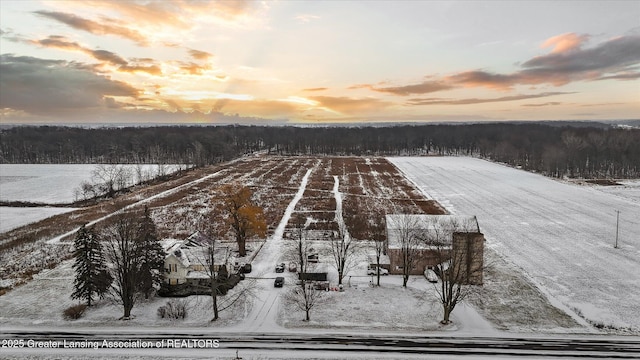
316	89
565	42
472	101
351	105
178	14
551	103
569	61
145	65
94	27
422	88
200	55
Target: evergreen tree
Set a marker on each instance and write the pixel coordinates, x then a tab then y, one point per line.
92	277
151	255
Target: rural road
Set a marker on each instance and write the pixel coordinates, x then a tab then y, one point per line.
289	344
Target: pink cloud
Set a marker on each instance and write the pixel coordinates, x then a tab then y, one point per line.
565	42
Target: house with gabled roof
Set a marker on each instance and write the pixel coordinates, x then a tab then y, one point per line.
187	260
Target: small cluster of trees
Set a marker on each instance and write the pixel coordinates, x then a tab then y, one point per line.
123	259
108	179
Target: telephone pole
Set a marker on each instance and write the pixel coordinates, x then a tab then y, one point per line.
617	225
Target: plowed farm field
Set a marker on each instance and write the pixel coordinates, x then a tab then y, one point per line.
369	186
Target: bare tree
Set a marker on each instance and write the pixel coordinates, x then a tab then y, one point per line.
405	237
458	252
343	251
86	190
378	237
121	251
303	295
213	260
110	178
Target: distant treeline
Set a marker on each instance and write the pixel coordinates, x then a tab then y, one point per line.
583	151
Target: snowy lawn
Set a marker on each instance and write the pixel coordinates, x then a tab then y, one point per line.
560	235
512	303
389	307
43	300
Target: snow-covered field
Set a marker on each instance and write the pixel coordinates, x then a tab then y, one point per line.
13	217
56	183
561	235
51	184
360	307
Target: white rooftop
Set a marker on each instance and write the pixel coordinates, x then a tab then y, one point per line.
432	227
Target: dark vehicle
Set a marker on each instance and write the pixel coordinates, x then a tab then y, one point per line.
279	282
246	268
242	268
280	268
313	258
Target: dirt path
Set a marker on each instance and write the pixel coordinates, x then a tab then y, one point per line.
138	203
264	314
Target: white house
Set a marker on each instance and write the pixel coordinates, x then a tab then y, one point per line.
188	261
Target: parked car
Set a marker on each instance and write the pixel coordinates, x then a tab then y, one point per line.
280	268
431	276
246	268
372	270
279	282
242	268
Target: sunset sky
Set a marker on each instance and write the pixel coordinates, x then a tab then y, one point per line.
318	61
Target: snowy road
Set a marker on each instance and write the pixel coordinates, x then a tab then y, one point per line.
185	344
265	310
560	235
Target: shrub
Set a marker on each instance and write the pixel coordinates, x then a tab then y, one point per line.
74	312
173	309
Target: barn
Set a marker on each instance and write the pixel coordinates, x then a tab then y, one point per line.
423	241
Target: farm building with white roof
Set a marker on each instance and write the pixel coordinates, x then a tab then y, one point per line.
431	239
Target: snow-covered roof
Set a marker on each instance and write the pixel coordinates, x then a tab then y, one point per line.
438	228
384	259
193	251
317	268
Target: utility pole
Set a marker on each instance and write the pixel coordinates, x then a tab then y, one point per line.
617	225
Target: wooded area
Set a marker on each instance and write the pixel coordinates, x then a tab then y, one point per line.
585	151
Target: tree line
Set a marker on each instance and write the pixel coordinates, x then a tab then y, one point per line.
587	151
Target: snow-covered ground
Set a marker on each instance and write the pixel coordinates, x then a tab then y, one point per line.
42	300
13	217
628	189
56	183
51	184
561	235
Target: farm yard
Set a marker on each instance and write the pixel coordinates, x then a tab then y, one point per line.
181	205
560	235
315	187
